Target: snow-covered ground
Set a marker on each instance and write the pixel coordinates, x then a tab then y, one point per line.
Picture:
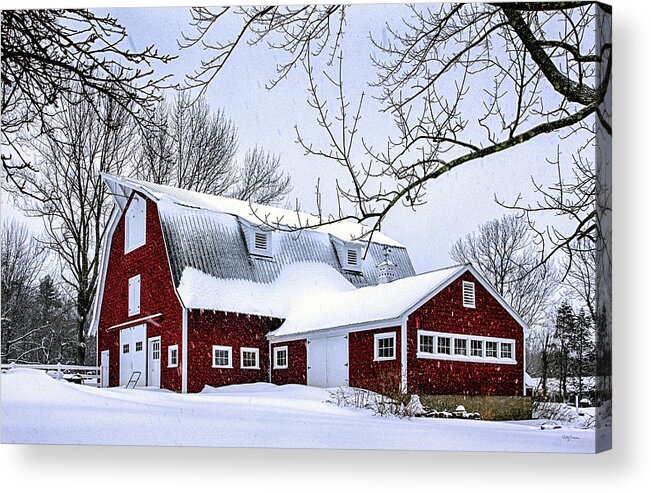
39	409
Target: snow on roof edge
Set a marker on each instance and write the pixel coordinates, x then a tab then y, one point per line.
347	231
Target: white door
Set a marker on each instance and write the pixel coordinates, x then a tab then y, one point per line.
132	354
336	361
316	362
327	361
153	362
104	369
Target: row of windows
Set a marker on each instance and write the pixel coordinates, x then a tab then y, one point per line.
222	357
172	352
447	346
435	344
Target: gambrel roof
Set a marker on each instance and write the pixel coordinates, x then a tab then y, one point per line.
209	234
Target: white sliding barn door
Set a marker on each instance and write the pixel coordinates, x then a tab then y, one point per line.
133	354
327	361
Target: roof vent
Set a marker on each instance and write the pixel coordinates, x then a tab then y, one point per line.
386	270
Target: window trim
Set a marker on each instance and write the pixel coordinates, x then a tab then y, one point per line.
278	349
376	346
468	356
260	252
469	285
136	309
170	350
253	350
229	349
127	224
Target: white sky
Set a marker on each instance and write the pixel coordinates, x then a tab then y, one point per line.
457	202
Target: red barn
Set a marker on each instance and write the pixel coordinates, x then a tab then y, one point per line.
198	290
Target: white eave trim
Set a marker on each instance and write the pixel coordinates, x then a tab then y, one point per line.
136	321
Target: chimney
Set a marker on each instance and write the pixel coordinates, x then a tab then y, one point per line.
386	270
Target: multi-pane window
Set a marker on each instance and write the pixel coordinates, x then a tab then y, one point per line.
138	346
385	346
155	349
468	294
125	348
172	356
461	347
222	357
426	344
477	348
280	357
491	349
443	345
249	357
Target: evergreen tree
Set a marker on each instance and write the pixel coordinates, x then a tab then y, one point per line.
582	346
564	330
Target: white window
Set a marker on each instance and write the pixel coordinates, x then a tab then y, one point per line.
135	224
134	295
249	358
385	346
468	295
491	349
173	356
425	343
460	347
443	345
477	348
222	357
280	357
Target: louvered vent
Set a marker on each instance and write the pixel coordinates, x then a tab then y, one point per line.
468	294
260	241
352	256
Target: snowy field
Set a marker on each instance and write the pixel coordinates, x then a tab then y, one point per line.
38	409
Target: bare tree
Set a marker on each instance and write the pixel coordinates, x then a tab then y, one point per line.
504	252
92	136
193	148
581	277
461	82
22	262
54	57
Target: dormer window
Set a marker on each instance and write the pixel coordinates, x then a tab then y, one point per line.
468	294
135	224
260	243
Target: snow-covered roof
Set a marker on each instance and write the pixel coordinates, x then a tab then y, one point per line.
208	234
261	215
364	305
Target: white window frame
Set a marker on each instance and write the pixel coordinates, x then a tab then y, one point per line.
420	348
497	349
229	349
253	350
505	343
134	295
129	225
469	340
357	249
471	286
376	346
277	350
173	350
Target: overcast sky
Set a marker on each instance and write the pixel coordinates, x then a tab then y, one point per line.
457	202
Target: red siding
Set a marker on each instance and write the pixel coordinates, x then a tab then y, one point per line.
157	295
208	328
296	371
445	313
379	376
